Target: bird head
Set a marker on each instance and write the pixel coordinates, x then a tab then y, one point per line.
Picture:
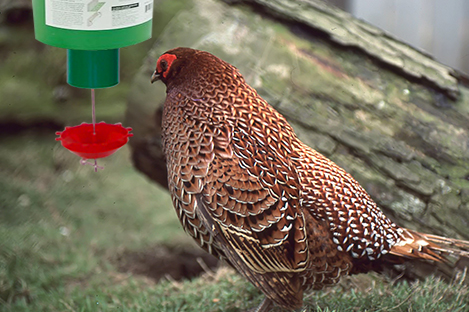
171	63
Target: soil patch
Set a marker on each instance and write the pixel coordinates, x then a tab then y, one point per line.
167	261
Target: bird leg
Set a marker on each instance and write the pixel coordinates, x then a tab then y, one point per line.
265	306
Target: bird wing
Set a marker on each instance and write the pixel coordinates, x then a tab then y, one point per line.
261	266
253	197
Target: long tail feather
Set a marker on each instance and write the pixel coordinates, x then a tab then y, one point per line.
429	247
446	256
454	246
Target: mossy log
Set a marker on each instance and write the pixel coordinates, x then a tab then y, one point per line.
389	114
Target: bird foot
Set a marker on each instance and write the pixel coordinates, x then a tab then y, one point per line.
265	306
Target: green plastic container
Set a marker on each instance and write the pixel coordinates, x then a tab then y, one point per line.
93	32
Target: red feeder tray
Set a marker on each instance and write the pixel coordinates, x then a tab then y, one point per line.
105	141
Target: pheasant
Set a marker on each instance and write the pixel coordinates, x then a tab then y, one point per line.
250	192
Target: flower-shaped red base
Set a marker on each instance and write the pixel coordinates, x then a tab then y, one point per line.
106	139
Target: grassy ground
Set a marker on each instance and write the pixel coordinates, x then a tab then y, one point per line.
62	227
61	224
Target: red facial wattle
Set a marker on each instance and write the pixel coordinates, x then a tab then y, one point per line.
169	58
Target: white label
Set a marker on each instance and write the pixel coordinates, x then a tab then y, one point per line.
97	15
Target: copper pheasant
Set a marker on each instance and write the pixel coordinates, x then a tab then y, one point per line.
250	192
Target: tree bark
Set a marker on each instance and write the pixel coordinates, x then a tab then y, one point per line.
390	115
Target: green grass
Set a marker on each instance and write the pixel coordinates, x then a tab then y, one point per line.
62	226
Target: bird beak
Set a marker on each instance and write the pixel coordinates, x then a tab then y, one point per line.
155	77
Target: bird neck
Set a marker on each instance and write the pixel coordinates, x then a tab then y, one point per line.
212	96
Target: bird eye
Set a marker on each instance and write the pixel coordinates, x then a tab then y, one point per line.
163	65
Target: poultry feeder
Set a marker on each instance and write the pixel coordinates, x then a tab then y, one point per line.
93	31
